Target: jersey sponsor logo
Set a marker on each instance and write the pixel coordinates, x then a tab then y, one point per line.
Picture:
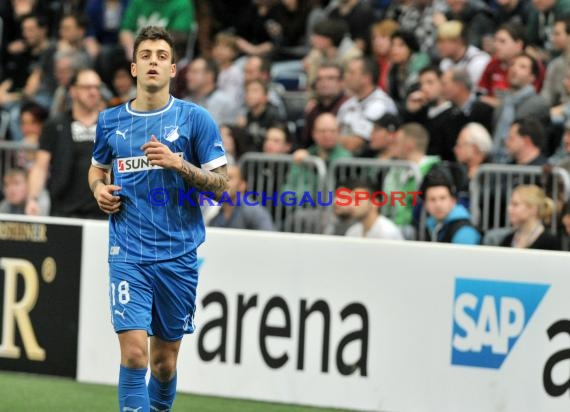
171	133
488	319
136	164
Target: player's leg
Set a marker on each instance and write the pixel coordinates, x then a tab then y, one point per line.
173	316
131	311
162	383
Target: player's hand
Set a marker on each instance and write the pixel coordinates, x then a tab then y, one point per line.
160	155
107	201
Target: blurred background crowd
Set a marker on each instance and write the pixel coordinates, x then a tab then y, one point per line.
412	94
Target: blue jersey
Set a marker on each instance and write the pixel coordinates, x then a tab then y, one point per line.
144	230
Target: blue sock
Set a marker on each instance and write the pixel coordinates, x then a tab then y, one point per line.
161	394
133	395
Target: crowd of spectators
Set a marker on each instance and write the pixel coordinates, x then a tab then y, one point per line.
432	82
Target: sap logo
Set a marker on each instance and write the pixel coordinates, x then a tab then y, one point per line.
489	317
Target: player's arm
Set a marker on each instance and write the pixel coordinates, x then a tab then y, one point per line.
102	191
214	181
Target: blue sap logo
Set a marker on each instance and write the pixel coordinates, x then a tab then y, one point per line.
489	317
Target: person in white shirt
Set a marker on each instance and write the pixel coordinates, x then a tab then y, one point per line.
370	223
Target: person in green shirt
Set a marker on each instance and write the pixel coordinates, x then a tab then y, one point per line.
176	16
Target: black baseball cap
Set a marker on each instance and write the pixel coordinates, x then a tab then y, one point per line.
389	122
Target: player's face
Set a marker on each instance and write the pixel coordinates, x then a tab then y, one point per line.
153	67
439	202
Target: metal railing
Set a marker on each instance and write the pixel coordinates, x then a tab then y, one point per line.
273	176
493	184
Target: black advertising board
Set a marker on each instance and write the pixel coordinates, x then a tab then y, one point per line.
40	268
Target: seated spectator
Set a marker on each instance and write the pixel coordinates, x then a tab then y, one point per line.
327	147
558	67
341	218
234	139
473	147
520	102
259	68
329	44
359	17
529	209
448	221
406	61
513	11
230	76
456	51
381	34
329	96
288	30
411	145
15	190
383	137
32	118
368	103
370	223
123	85
541	21
509	42
201	83
254	34
478	18
277	140
525	143
236	214
261	114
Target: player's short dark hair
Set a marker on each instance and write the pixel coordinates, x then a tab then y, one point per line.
533	129
153	33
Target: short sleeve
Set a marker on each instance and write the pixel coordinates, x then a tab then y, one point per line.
206	140
102	153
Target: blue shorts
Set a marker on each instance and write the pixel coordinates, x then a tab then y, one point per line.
159	297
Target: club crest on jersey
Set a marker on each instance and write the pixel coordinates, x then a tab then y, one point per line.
136	164
171	133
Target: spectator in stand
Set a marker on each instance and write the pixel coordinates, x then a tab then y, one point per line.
456	52
530	211
525	142
370	224
124	87
509	43
234	139
558	67
448	221
383	137
381	44
411	144
406	62
261	114
234	214
543	15
15	191
457	88
288	31
429	107
201	83
329	96
254	32
513	11
259	68
32	119
473	147
368	103
359	17
177	16
230	77
521	101
478	18
277	140
341	218
329	43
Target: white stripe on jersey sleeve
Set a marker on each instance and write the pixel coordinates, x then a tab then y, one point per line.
100	165
213	164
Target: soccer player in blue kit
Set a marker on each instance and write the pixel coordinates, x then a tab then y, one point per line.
154	141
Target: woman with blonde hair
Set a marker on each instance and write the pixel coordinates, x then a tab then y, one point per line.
529	210
381	42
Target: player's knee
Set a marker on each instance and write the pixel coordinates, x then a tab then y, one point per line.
163	368
135	357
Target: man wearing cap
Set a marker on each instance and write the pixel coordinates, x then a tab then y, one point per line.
383	137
